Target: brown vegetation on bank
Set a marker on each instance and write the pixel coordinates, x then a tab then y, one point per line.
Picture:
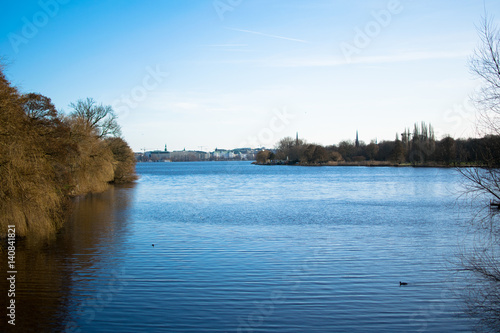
46	158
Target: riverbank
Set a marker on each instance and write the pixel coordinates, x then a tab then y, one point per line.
365	164
47	158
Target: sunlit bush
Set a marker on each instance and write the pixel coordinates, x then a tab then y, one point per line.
45	159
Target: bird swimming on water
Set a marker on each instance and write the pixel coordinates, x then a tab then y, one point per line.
403	283
154	246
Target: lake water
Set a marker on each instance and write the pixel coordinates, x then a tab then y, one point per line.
245	248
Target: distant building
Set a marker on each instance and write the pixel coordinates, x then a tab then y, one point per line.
157	155
223	154
189	155
238	154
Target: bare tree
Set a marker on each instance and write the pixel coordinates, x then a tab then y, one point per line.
483	181
485	64
264	156
100	118
290	149
38	107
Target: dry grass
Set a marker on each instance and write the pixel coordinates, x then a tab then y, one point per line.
28	194
124	166
43	162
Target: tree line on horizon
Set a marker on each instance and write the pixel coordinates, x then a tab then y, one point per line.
417	147
47	157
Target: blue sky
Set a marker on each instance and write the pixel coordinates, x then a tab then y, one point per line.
231	73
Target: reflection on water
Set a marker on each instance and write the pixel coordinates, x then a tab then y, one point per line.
47	273
481	262
242	248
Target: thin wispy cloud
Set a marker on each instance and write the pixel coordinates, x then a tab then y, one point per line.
240	50
226	45
366	60
229	47
336	61
268	35
413	56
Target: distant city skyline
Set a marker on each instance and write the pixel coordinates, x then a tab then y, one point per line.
229	74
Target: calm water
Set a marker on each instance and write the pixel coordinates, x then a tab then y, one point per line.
244	248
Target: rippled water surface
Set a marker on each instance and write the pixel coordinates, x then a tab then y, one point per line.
244	248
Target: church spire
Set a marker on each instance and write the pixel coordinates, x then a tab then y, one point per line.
357	139
297	139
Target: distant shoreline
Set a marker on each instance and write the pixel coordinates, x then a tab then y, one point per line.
368	164
372	164
161	162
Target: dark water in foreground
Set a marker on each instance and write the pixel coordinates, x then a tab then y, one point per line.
243	248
